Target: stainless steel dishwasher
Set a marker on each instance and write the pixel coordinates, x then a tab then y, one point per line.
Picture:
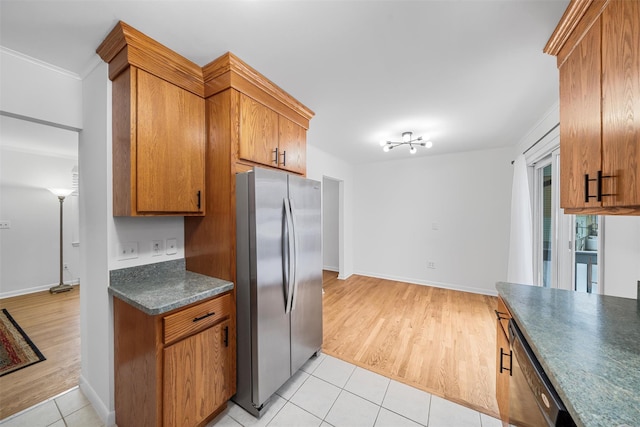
533	402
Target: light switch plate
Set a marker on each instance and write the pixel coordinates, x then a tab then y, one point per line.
172	246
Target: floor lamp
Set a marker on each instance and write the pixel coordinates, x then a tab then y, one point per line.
60	287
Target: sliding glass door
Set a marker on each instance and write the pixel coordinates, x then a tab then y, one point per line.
567	248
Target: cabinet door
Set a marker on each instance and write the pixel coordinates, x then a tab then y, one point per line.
621	103
292	146
580	133
170	147
196	376
258	132
503	360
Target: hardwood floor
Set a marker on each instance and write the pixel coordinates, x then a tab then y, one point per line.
52	321
434	339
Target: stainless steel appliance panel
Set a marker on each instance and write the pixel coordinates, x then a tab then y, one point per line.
306	313
270	322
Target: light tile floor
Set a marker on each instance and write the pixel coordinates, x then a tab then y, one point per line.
330	392
325	392
69	409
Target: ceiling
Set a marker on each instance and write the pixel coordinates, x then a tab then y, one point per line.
469	74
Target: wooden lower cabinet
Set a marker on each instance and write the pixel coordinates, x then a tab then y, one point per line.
196	376
503	361
168	379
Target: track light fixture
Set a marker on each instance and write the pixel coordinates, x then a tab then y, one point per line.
407	139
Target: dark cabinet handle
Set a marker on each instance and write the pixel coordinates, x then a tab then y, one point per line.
275	152
502	367
199	197
284	158
599	195
500	315
204	316
226	336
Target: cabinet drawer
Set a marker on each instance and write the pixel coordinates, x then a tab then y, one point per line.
196	318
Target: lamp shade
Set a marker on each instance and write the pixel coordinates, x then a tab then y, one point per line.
61	192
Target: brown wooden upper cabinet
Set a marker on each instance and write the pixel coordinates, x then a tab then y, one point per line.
158	127
597	44
269	138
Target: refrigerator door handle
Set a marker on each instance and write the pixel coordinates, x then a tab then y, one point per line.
295	253
290	243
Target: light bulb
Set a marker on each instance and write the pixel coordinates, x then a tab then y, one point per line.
413	150
429	144
385	148
406	136
383	143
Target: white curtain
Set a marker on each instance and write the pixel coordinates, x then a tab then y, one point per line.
520	267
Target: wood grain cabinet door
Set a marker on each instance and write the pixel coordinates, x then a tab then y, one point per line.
292	144
621	103
258	132
503	361
196	376
170	149
580	132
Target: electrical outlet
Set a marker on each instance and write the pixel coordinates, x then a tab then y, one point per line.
431	264
157	247
5	224
172	246
435	226
128	250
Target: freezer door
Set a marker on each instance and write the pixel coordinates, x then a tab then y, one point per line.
306	312
270	324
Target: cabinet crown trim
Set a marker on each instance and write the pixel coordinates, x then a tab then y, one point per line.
578	17
227	68
125	46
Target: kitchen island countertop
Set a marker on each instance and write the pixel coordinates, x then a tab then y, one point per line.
162	287
589	347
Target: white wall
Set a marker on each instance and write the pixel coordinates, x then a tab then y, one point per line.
330	224
96	312
319	165
40	91
103	234
30	249
450	209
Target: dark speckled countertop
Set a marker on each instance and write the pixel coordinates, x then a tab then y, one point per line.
589	346
162	287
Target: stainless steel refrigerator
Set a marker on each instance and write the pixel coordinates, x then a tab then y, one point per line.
279	281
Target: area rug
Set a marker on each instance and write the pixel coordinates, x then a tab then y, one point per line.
17	351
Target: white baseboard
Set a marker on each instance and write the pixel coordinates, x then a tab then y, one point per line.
35	289
454	287
108	417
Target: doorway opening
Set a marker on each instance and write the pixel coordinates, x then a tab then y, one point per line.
332	225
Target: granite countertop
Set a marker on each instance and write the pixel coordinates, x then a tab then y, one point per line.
589	347
162	287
